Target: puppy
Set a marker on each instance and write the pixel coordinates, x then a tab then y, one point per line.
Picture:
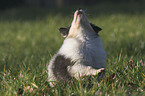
81	53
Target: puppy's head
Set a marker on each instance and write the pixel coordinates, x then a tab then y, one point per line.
80	22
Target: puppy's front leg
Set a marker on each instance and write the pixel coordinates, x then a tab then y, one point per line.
92	71
79	70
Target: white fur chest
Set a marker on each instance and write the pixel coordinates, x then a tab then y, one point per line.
71	49
89	53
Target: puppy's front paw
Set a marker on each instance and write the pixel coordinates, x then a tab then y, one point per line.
92	71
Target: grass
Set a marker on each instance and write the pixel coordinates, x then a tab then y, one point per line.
29	37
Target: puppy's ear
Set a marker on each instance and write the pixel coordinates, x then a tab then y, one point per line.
96	28
64	31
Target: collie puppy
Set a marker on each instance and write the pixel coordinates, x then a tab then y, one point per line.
81	53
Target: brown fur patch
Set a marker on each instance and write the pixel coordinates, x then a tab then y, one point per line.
60	68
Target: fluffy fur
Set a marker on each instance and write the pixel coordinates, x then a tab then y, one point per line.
81	53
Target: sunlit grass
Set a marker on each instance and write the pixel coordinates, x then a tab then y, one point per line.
28	41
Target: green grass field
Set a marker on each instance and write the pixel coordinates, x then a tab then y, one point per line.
30	36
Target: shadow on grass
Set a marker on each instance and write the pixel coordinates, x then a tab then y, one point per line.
99	9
